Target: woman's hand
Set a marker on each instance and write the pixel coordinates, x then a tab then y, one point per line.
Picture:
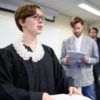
46	96
73	90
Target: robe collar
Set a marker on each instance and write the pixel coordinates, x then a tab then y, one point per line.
26	54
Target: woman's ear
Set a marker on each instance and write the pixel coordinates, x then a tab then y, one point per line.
21	22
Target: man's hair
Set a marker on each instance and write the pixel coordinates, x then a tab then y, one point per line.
94	28
76	20
25	11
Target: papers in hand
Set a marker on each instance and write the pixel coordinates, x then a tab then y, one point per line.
68	97
76	55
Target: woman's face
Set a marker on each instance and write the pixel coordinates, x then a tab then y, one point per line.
34	24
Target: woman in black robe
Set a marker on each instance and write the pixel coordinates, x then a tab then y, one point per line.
28	69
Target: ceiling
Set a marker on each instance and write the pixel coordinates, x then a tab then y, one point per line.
66	7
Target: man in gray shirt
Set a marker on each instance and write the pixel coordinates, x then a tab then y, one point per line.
80	69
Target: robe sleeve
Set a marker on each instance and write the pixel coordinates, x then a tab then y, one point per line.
7	89
62	81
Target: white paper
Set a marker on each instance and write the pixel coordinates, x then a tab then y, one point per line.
68	97
76	55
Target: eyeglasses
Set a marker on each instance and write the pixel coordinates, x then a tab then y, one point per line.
93	32
37	17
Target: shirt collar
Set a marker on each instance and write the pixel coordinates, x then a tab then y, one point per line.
78	38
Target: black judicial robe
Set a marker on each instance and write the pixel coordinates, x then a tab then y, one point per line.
27	80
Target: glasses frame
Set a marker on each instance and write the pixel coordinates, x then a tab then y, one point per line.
37	17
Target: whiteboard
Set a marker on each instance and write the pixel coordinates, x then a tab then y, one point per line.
9	33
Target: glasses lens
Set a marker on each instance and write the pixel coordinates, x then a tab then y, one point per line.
35	17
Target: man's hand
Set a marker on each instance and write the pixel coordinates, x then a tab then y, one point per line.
46	96
68	59
85	59
73	90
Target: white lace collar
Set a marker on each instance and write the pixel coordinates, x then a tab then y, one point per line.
37	55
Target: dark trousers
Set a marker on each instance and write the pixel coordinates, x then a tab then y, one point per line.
96	71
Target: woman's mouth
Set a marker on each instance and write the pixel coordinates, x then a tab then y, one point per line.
40	27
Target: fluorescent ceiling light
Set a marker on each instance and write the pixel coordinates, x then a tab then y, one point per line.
89	8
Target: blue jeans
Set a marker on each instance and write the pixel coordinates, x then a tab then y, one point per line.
88	91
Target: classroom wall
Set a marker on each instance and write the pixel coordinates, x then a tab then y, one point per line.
53	33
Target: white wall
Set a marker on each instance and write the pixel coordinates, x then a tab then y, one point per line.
8	31
53	34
